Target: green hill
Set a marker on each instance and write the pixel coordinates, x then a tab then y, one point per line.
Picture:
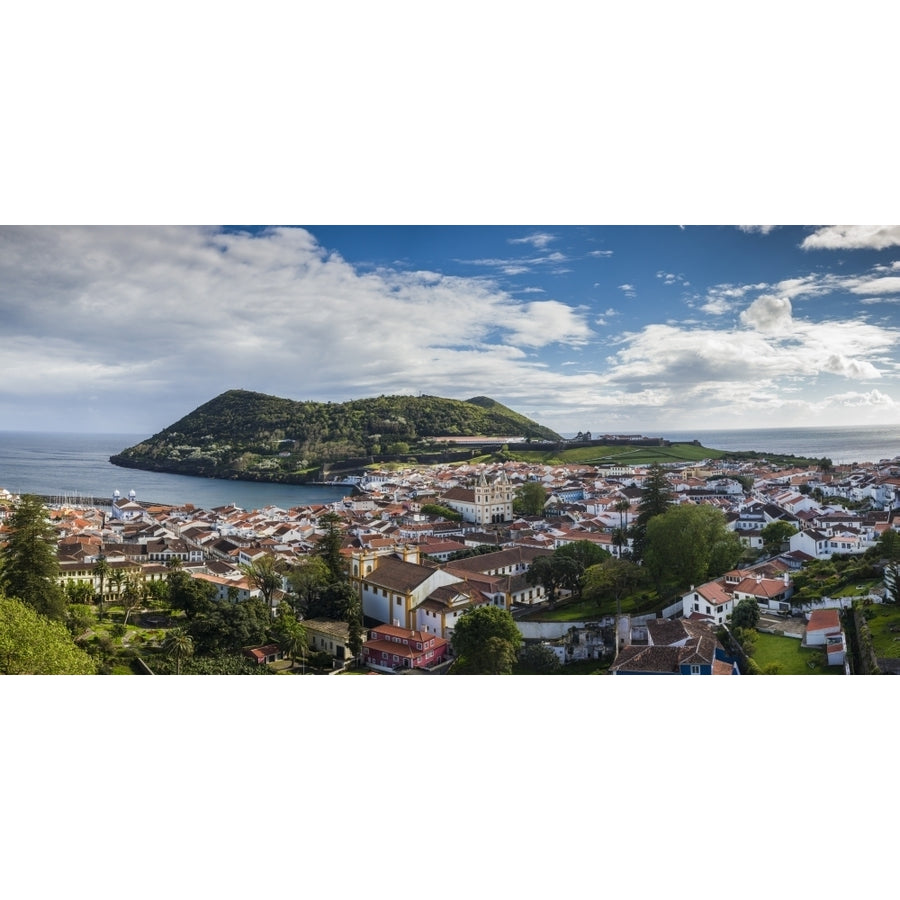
247	435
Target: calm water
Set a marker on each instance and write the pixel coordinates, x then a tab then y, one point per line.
840	444
77	465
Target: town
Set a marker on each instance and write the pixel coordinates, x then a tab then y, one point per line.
387	579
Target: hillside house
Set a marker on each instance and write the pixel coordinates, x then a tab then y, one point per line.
390	648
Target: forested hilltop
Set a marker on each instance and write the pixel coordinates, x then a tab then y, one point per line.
253	436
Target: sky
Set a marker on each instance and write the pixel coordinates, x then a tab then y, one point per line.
611	329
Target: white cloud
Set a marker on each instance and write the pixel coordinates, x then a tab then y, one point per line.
176	315
853	237
870	398
769	314
601	254
716	306
539	240
889	285
757	229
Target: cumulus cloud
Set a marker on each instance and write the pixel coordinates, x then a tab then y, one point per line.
601	254
853	237
757	229
769	314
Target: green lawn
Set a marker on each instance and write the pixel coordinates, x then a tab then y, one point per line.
884	625
790	656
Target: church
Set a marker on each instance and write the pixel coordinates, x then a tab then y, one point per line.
488	503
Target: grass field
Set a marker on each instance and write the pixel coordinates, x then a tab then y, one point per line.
790	656
884	624
618	455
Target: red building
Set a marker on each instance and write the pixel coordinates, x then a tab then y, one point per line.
390	647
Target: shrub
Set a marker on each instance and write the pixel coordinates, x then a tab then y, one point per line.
540	658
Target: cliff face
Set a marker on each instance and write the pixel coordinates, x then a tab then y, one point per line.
258	437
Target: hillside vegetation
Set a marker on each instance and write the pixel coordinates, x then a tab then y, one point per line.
247	435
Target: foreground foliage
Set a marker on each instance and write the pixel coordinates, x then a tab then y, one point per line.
31	644
29	568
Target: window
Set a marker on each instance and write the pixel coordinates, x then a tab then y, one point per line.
398	601
695	670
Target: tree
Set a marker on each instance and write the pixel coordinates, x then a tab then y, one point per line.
530	498
888	546
487	641
134	595
688	544
31	644
290	634
585	553
307	579
355	630
656	498
101	569
264	574
178	644
620	539
328	547
553	573
228	627
775	534
29	569
539	658
746	614
118	578
621	507
613	578
445	512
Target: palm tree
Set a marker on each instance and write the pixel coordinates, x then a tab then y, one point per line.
101	570
178	643
621	507
265	576
117	577
292	638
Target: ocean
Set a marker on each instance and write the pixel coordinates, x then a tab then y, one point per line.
71	466
841	444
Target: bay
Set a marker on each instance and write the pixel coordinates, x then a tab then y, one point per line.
70	466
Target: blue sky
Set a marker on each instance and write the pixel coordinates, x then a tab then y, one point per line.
608	328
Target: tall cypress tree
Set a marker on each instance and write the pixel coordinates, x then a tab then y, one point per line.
656	498
29	568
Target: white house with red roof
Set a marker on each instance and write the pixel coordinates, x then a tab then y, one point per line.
823	629
710	601
770	593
